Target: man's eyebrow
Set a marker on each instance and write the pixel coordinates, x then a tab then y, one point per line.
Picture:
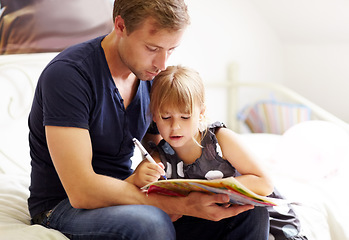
160	47
154	45
174	47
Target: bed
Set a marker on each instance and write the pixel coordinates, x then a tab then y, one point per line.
307	167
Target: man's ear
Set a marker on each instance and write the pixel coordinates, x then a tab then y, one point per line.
119	25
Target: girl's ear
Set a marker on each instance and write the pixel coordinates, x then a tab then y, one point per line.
202	119
203	111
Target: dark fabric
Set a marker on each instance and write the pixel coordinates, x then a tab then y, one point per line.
284	223
110	223
153	129
76	90
249	225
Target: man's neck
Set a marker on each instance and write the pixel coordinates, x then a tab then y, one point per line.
117	69
124	79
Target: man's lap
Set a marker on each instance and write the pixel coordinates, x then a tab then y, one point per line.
140	221
116	222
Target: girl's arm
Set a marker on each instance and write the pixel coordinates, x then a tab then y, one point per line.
252	174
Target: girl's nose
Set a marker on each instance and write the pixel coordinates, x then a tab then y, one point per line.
175	125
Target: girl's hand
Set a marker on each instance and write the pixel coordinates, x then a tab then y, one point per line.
147	172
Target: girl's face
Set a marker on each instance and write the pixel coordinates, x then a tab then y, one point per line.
178	128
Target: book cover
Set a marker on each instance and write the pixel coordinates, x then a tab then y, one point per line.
237	192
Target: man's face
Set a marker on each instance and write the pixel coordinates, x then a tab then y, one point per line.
146	50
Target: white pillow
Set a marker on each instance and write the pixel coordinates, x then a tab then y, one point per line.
311	151
14	214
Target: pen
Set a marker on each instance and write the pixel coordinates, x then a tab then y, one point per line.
145	153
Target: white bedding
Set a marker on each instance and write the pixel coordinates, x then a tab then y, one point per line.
322	213
14	215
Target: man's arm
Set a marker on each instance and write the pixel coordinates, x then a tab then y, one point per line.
71	152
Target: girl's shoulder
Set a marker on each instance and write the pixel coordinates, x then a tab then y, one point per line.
213	128
222	133
215	133
219	128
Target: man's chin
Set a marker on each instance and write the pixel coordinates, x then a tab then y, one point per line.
146	77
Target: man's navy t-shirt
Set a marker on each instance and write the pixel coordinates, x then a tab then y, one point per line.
76	90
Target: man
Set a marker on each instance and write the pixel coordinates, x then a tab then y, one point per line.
91	100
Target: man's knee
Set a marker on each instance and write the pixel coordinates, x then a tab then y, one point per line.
261	213
259	223
150	222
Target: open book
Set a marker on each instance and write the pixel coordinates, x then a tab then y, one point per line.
237	192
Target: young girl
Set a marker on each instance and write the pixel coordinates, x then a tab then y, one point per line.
190	148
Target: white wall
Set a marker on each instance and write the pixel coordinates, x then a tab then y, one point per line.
226	31
229	30
315	41
240	31
321	73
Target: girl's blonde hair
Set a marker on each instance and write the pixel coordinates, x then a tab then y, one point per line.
177	87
